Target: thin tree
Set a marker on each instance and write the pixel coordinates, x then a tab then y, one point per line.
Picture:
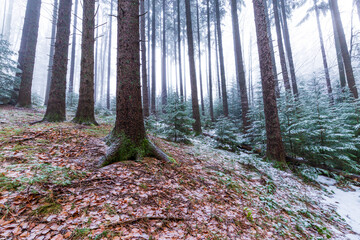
199	52
153	59
73	53
221	56
194	96
344	50
240	73
163	60
56	108
145	90
85	111
9	21
109	58
209	62
357	2
281	47
217	61
128	137
28	50
274	147
52	49
179	50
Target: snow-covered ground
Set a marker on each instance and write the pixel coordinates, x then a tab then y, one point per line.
347	203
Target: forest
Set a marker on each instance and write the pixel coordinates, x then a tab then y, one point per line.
179	119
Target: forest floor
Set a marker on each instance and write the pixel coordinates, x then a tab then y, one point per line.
50	188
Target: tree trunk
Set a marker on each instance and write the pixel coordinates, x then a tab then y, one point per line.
96	68
209	62
221	55
275	148
153	59
344	50
103	64
277	89
52	48
358	7
163	61
145	91
326	69
289	51
109	59
85	110
281	48
199	51
73	53
194	96
179	50
240	73
56	108
217	61
31	22
3	20
9	21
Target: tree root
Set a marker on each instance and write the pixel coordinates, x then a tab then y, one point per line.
135	220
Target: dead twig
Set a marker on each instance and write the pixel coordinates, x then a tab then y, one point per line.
135	220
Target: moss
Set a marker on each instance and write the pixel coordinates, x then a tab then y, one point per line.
54	117
85	121
48	208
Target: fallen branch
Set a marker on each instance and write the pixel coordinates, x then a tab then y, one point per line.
26	139
135	220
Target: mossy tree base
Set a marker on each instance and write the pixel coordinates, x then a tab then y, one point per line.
123	149
85	121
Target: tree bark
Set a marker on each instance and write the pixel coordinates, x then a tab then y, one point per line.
73	53
109	59
153	59
221	55
52	49
145	91
240	73
179	50
199	51
194	96
209	62
56	108
85	110
326	68
275	148
163	61
344	50
217	62
27	61
281	48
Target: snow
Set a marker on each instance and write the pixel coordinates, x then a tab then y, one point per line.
347	204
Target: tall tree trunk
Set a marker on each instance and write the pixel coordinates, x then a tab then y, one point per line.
358	7
221	55
52	49
194	96
339	58
163	61
32	17
8	21
148	50
199	51
4	17
96	67
73	52
85	111
344	50
281	47
179	50
209	62
268	24
184	34
326	68
275	147
109	59
217	61
240	73
153	59
56	108
289	51
103	64
145	91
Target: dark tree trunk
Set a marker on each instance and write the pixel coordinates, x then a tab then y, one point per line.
277	89
339	59
326	68
52	49
73	53
145	91
240	73
85	110
153	59
209	63
109	59
128	135
217	62
179	50
163	61
96	68
275	148
27	60
194	97
56	108
199	51
281	47
221	55
344	50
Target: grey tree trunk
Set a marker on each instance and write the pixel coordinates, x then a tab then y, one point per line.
179	50
153	59
9	20
163	61
199	52
27	62
73	53
52	49
209	63
109	58
344	50
96	67
194	97
221	55
145	91
217	62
